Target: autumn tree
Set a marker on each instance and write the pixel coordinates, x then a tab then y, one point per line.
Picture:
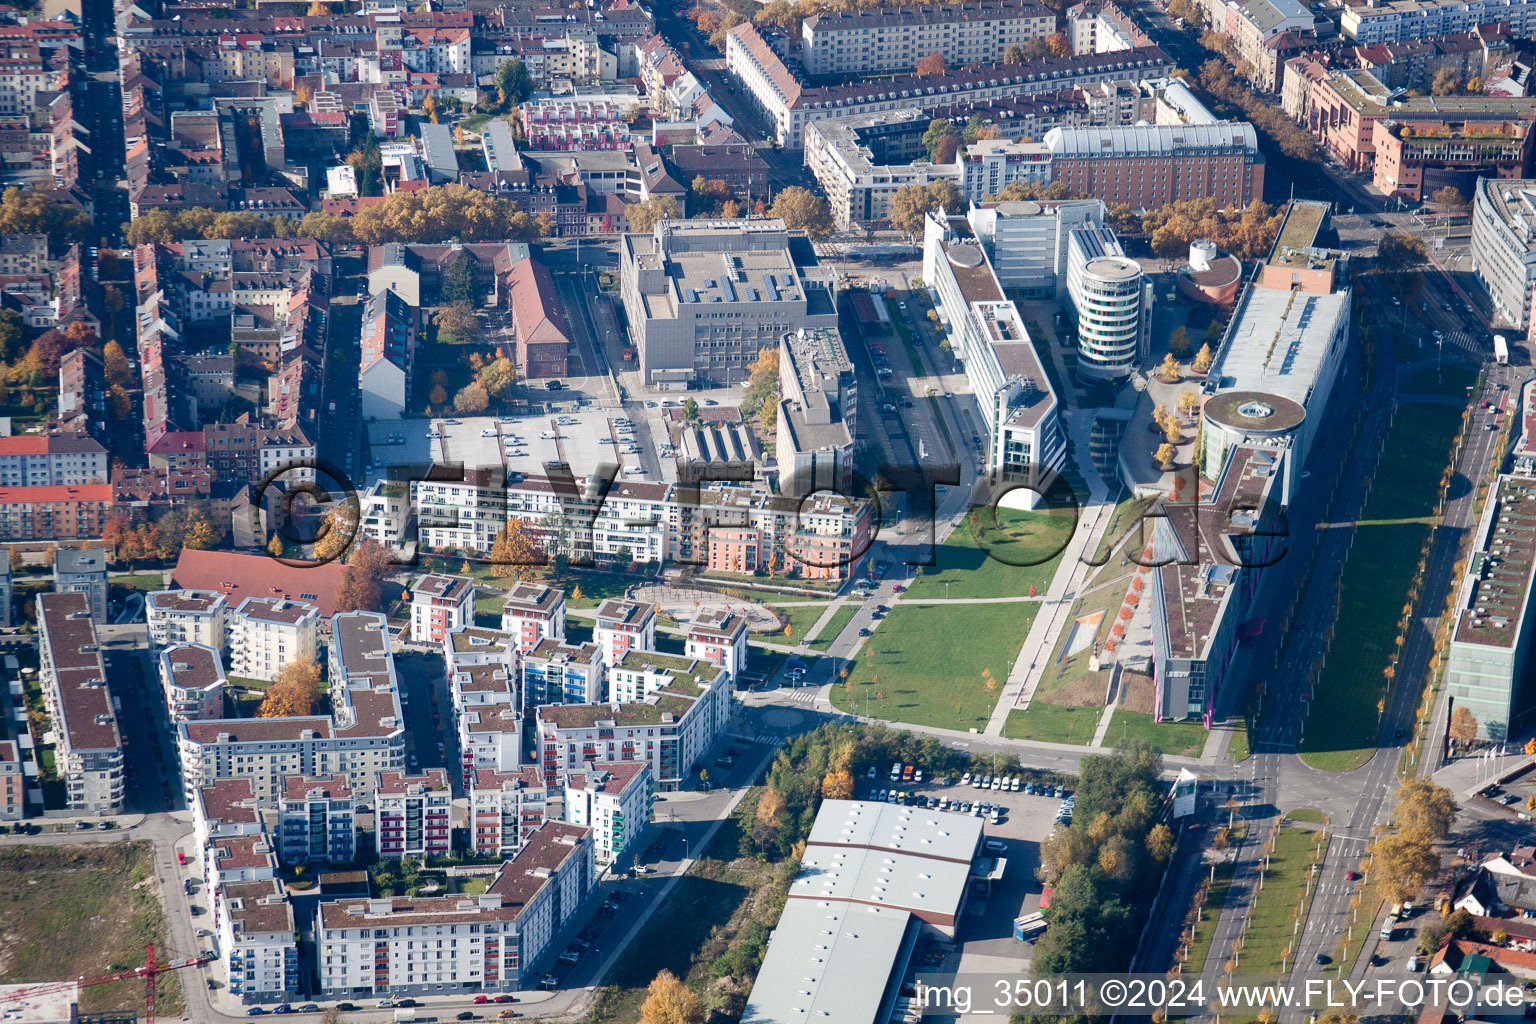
938	129
1204	359
669	1001
1168	370
114	364
295	691
1447	82
1013	55
472	398
337	529
514	83
762	382
515	554
642	216
1449	195
497	377
1463	727
1398	251
837	785
1424	809
1403	863
803	210
1178	341
1189	402
1160	843
1057	45
438	395
1164	456
932	64
912	203
457	324
275	546
362	581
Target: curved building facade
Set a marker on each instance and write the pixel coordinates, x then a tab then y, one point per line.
1106	293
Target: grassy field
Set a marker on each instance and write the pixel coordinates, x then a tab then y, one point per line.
69	911
981	559
1269	935
927	675
145	581
1210	912
801	619
1308	814
1342	726
834	626
1451	380
1185	739
1238	747
1052	724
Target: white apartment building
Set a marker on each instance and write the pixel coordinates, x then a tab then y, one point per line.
719	637
224	809
623	626
243	858
317	821
1018	406
613	799
671	728
186	617
440	605
1396	21
413	815
88	748
192	677
1026	242
471	646
556	673
841	153
1504	245
985	166
266	633
533	613
896	38
1109	296
83	571
52	460
258	938
491	735
495	942
362	736
505	808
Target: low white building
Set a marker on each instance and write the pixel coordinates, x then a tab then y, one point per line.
440	605
533	613
498	941
267	633
186	617
192	677
505	808
623	626
259	941
613	799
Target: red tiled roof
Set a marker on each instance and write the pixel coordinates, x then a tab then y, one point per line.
534	306
241	576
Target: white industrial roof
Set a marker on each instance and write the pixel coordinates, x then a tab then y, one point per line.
1278	341
1149	139
827	962
897	828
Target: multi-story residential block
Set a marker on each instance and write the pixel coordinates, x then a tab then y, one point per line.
440	605
389	354
54	513
239	576
495	942
1027	243
83	571
1264	34
790	104
533	613
363	736
987	166
873	40
51	460
317	821
13	782
88	751
1485	669
224	809
259	940
470	647
1110	303
1504	246
586	121
719	637
623	626
193	678
613	799
703	297
1399	20
743	529
505	808
862	160
818	414
557	673
670	728
265	634
1147	166
1100	26
1019	409
414	815
491	730
186	617
240	858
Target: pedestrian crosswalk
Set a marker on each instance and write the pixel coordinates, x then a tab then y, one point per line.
804	695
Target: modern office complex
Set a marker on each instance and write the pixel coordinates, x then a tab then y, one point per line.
1024	438
874	878
1486	668
704	297
862	160
818	408
88	749
1504	245
495	942
1110	305
1026	242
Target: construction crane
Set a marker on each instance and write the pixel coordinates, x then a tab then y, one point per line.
148	972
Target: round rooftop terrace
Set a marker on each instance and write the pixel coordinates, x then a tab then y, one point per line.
965	256
1254	412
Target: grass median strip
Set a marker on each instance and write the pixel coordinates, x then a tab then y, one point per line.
1269	940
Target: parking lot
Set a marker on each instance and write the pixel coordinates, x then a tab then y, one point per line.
985	942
